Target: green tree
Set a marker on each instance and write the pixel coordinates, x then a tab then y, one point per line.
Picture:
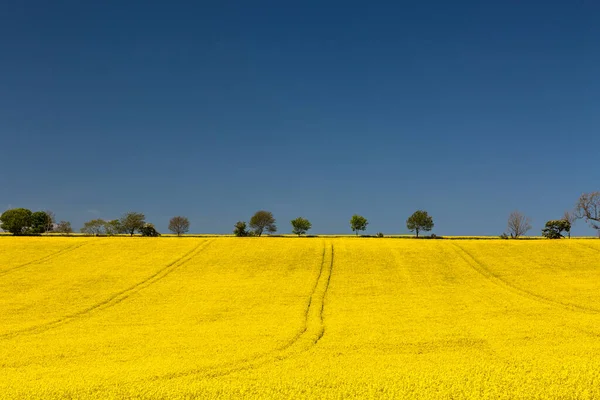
300	226
41	222
94	227
263	221
240	229
358	223
113	227
50	221
179	225
16	221
419	221
132	222
149	230
554	228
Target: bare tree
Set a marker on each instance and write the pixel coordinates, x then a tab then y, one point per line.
50	221
63	227
518	224
588	208
570	217
179	225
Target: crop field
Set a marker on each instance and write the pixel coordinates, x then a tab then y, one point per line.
315	318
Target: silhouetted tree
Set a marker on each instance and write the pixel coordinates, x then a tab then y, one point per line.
300	226
518	224
263	221
358	223
179	225
419	221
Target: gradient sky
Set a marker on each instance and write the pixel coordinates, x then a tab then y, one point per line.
321	109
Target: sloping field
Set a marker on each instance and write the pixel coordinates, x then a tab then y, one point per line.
299	318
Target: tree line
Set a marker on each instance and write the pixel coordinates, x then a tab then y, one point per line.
21	221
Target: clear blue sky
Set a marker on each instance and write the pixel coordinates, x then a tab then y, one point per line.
321	109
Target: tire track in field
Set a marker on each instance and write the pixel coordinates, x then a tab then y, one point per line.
489	275
312	331
113	299
587	246
43	259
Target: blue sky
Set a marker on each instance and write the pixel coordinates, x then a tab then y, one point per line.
320	109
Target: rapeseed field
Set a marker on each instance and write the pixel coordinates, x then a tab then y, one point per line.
116	317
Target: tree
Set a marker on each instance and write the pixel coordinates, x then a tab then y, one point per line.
132	222
419	221
261	221
149	230
94	227
41	222
555	227
50	221
240	229
179	225
300	225
570	218
358	223
63	227
16	221
588	208
113	227
518	224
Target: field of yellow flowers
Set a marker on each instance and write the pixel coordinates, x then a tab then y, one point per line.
318	318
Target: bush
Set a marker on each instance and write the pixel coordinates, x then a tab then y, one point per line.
149	230
379	235
240	229
504	236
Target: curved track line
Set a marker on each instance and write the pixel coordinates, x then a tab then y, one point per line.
308	337
587	246
481	269
115	298
43	259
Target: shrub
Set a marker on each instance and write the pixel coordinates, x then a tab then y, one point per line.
149	230
240	229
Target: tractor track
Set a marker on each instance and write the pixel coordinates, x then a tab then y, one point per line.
490	276
311	333
43	259
113	299
587	246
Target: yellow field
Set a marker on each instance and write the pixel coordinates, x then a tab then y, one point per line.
299	318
